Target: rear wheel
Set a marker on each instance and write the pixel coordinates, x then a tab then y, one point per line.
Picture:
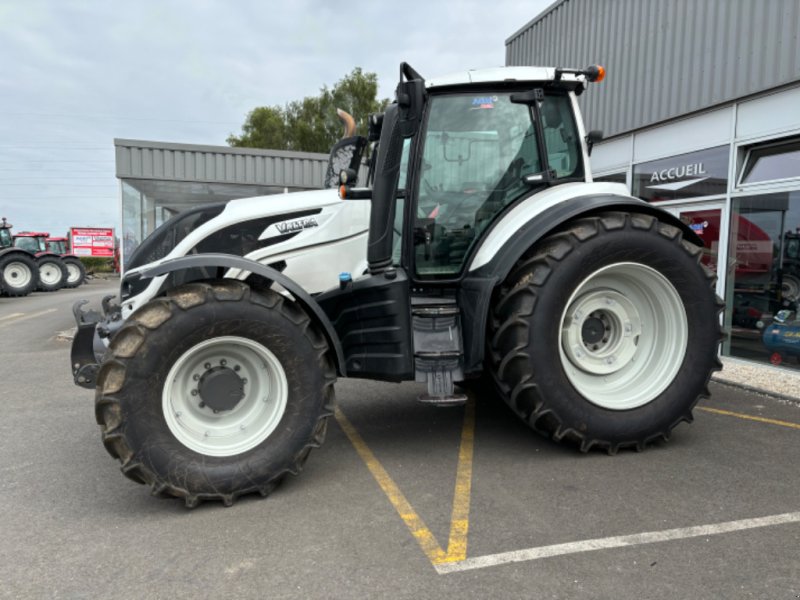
76	272
215	391
19	275
607	332
52	273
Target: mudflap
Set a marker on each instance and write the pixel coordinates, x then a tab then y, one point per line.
87	347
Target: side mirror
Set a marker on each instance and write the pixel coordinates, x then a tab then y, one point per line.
410	95
594	136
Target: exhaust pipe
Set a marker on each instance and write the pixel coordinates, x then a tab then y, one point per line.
349	123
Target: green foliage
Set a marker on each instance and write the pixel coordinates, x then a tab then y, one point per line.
97	264
311	124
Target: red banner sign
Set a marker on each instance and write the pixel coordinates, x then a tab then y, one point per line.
92	241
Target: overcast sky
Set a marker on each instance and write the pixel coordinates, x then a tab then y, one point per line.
75	75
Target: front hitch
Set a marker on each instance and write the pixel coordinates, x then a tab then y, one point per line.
87	345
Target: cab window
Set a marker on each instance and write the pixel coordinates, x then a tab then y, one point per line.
477	150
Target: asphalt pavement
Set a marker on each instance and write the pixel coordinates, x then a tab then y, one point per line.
404	500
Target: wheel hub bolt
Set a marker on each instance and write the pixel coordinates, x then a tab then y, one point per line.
202	405
244	380
237	368
195	392
207	366
223	362
196	377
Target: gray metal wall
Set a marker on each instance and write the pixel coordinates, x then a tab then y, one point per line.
136	159
664	58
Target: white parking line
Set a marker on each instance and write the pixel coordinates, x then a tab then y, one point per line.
23	317
12	316
491	560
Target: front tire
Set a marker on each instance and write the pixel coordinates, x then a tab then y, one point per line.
606	334
76	272
215	391
52	273
19	275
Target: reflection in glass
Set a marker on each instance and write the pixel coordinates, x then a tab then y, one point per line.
764	279
772	162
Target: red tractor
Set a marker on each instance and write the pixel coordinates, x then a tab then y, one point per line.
19	273
77	272
53	272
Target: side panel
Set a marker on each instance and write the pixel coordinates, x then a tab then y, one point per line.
372	318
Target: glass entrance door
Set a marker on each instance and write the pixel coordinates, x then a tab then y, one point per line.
708	221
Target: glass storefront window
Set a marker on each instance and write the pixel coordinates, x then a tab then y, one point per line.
764	278
147	203
703	173
771	162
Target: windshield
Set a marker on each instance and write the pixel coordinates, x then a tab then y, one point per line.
57	247
477	151
30	244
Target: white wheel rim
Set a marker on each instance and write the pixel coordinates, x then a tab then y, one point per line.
250	421
73	273
791	288
623	336
17	275
50	274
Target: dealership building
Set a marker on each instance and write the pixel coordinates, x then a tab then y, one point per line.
700	111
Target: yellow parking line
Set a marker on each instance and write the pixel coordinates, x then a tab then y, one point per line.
459	520
750	417
459	525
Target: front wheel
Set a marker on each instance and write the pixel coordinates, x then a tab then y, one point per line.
215	391
76	272
52	273
19	274
607	332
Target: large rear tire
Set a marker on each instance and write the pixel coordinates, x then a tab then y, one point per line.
215	391
76	272
19	274
52	273
607	332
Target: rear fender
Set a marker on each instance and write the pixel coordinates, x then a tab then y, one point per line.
497	255
263	275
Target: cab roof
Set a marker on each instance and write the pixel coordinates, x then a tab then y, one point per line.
498	75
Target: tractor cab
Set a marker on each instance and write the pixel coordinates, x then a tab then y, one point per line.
31	241
455	153
59	245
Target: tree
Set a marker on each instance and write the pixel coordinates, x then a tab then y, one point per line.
311	124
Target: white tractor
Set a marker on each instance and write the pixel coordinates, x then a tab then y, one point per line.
480	248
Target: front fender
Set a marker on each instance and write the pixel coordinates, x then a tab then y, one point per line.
229	261
528	223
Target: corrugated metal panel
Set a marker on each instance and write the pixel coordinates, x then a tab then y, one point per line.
665	58
137	159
